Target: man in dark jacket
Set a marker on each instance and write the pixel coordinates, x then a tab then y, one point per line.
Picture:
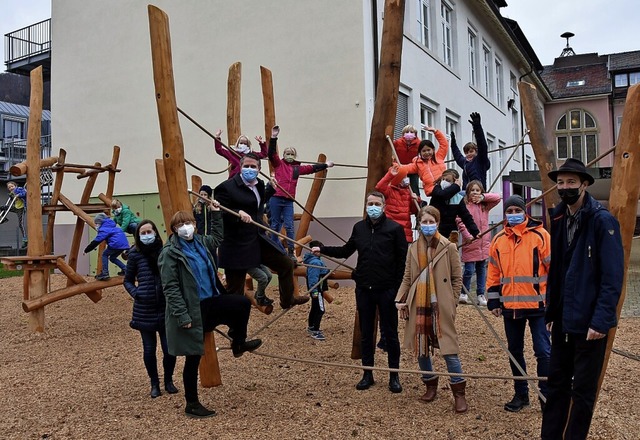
475	160
382	252
245	245
584	286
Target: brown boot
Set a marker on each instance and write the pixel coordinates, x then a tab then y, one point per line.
460	402
432	390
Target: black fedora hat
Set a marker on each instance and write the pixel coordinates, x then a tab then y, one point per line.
573	166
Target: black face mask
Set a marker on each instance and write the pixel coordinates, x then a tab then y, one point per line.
569	195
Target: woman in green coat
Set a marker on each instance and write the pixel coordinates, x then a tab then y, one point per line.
197	302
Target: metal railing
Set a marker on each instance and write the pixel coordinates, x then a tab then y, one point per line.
27	42
14	151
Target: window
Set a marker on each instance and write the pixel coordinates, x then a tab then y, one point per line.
13	128
527	162
424	16
486	70
402	115
576	83
446	15
515	130
513	83
577	136
451	126
473	62
491	144
634	78
499	87
502	146
427	118
621	80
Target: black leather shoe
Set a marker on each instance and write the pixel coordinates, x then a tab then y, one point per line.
295	301
518	402
155	390
394	383
366	381
196	410
170	388
238	350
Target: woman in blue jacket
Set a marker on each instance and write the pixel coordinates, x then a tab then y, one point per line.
142	281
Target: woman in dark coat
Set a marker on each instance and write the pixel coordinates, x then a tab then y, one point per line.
197	302
142	281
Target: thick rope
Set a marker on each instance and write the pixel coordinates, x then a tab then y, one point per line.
261	173
626	354
508	147
205	171
335	164
513	153
333	178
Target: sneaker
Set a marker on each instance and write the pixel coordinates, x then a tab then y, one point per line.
518	402
310	330
263	300
482	300
464	299
197	411
318	335
103	277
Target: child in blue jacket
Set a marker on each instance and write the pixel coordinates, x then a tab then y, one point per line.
116	241
314	274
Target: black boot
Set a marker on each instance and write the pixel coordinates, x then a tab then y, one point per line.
518	402
155	390
238	350
170	388
394	383
366	381
196	410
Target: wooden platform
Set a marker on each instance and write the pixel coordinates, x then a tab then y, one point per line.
27	262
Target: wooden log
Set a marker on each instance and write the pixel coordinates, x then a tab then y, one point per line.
196	183
62	265
89	208
269	105
209	377
234	103
37	278
20	169
51	215
304	240
68	292
312	200
64	169
625	191
333	284
163	192
301	271
328	296
77	211
543	150
267	310
172	142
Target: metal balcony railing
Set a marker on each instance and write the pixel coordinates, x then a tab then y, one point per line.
27	42
14	151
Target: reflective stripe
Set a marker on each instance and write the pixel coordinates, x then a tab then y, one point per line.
493	295
528	280
547	260
521	298
493	261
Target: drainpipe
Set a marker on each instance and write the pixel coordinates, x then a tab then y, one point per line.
374	31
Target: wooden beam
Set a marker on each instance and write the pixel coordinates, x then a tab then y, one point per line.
625	191
68	292
196	183
95	295
20	169
234	103
269	105
89	208
76	210
163	192
312	200
209	377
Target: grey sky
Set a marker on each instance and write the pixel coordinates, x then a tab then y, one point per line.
602	26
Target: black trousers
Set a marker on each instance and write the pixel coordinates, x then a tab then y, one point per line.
383	300
230	310
574	371
316	311
274	260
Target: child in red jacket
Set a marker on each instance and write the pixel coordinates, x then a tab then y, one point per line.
286	172
406	148
241	148
399	200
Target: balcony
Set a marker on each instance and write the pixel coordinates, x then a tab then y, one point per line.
14	151
28	48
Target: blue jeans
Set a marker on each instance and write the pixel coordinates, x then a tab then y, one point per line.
282	214
453	366
480	269
262	275
111	255
514	329
149	344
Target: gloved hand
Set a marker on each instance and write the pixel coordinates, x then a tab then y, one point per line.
453	137
475	118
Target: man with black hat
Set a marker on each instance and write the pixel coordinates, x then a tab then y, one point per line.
585	282
519	260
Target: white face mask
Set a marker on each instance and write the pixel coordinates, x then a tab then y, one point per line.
243	148
186	231
117	210
444	184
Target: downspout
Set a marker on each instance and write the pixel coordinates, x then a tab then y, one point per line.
374	30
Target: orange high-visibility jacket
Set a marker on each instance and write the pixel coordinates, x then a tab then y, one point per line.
519	260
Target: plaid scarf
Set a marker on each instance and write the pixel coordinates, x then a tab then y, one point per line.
427	317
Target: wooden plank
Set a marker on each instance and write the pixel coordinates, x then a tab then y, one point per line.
234	103
543	150
172	142
209	377
625	191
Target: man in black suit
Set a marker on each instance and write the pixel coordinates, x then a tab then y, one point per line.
245	245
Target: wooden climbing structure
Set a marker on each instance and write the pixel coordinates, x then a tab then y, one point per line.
39	261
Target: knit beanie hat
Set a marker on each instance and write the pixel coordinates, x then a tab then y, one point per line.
207	189
99	218
514	200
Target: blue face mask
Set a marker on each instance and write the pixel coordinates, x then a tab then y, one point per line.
515	219
249	174
374	212
429	230
148	238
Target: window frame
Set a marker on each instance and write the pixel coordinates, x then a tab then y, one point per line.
446	22
472	42
424	25
575	135
486	70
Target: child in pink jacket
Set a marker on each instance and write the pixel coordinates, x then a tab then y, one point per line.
242	147
475	253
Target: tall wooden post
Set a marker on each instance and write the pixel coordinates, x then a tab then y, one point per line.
269	104
38	278
234	102
314	195
625	191
544	152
